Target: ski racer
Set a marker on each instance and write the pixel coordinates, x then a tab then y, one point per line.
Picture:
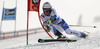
50	21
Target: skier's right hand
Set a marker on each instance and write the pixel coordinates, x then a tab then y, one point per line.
45	23
46	26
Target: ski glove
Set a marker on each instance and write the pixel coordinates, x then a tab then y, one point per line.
46	23
46	26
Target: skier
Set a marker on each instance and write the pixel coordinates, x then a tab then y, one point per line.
50	19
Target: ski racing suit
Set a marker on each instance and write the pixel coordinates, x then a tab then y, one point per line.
58	24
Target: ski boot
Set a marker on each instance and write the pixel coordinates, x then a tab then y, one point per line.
59	35
62	37
84	35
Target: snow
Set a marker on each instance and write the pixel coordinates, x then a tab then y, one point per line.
92	42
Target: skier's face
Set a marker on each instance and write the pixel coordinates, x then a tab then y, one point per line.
47	13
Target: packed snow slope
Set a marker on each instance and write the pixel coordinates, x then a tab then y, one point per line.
92	42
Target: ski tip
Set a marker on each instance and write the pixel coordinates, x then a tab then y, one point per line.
40	40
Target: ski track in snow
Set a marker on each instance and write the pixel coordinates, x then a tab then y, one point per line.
92	42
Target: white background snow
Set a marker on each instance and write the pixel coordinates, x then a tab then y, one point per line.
87	11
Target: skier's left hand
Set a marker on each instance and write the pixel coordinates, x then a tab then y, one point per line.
47	28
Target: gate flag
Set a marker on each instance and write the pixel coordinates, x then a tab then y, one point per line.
9	14
33	5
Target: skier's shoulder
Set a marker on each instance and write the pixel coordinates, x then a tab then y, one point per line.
42	15
53	10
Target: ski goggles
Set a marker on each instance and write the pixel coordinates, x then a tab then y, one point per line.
46	9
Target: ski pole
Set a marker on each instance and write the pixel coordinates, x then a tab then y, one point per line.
77	26
83	26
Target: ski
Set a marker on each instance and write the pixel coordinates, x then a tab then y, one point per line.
55	40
